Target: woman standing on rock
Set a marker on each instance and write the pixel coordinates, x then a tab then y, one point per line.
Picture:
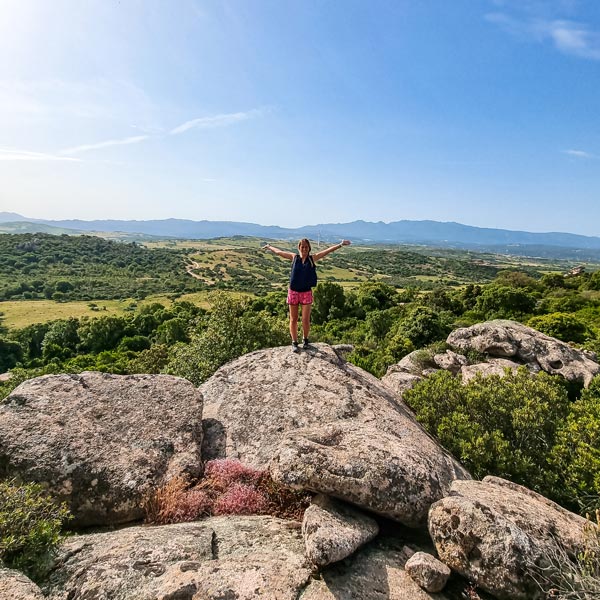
302	279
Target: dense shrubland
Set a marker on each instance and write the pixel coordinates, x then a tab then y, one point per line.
531	430
85	267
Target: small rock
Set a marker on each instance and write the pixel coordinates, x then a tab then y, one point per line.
450	361
429	572
494	366
374	572
399	381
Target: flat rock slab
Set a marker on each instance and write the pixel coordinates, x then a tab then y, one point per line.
509	339
497	534
16	586
100	442
242	558
333	530
395	475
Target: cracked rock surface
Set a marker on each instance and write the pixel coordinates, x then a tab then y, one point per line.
243	558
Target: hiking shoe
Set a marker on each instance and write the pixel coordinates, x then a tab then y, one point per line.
295	347
305	343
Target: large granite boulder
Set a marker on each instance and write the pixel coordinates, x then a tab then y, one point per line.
501	535
509	339
333	530
397	475
246	558
253	405
16	586
100	442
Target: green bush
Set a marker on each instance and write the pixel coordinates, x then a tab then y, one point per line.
30	527
504	426
577	452
564	326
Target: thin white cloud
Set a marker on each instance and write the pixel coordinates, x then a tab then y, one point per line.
215	121
580	154
568	37
223	120
122	142
201	123
8	154
573	38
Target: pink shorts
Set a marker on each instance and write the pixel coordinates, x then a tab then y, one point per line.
299	297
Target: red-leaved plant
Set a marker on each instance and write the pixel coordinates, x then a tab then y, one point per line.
228	488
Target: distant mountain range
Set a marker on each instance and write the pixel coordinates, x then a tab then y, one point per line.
430	233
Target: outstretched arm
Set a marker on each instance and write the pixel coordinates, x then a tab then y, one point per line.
320	255
282	253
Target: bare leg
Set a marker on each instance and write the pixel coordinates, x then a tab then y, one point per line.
294	321
305	320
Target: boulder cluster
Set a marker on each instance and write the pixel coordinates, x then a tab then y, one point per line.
393	516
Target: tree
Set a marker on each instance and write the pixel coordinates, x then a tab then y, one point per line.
421	326
232	330
11	353
516	279
103	333
497	301
61	339
594	281
172	331
441	298
553	281
329	301
376	295
63	286
135	343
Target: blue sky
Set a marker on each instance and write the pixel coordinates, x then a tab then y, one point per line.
484	112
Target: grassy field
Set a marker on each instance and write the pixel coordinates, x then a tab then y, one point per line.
20	313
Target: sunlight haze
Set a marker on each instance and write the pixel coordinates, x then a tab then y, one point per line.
483	112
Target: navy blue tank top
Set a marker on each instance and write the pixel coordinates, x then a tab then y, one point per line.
304	275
